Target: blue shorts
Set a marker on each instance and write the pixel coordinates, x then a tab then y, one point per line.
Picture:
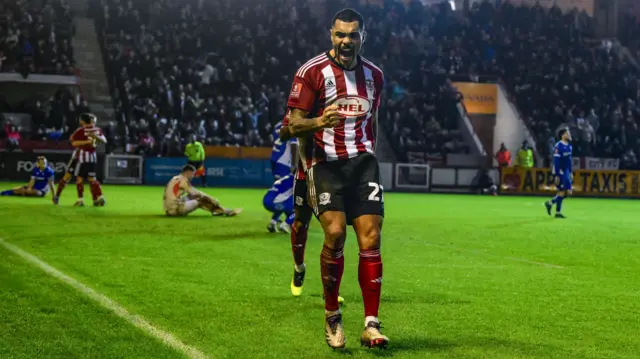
565	183
270	205
41	191
279	170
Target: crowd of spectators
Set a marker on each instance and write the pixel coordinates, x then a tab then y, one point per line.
584	85
35	37
53	118
557	73
223	70
560	76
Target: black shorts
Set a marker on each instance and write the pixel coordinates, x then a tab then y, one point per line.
300	194
301	201
71	166
351	186
196	164
85	169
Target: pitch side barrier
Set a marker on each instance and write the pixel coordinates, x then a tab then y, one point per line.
17	166
511	181
422	178
586	183
221	172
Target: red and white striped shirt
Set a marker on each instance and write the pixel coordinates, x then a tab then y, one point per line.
86	153
320	82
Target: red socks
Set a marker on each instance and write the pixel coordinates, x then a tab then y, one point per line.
80	188
370	278
96	190
298	243
61	185
331	269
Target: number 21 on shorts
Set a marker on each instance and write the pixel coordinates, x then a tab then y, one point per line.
376	189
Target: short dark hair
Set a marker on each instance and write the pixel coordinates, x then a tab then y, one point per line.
88	117
188	168
562	132
348	15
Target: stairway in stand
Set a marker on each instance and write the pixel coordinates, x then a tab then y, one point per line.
93	79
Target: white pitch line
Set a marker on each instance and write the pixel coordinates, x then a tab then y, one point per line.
137	321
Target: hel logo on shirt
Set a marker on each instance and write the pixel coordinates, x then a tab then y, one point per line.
353	106
295	90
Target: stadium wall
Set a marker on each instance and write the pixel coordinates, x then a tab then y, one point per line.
596	177
17	166
596	183
223	172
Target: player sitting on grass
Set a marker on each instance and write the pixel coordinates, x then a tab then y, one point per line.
279	200
180	198
39	185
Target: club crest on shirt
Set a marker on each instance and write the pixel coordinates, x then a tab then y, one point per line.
295	90
370	86
324	199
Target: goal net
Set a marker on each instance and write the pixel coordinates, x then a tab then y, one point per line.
412	176
123	169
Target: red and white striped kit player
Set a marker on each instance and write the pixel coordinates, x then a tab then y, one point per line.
333	108
85	140
87	153
321	82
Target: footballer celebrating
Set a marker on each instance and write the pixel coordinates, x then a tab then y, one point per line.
333	108
180	198
562	170
85	160
39	185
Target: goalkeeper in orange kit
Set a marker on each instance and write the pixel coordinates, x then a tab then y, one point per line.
196	156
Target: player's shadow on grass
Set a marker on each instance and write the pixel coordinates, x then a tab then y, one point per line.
412	344
402	343
427	298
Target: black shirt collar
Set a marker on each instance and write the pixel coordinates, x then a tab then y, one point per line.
358	62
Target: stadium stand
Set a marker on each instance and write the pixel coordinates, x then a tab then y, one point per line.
35	38
232	74
222	70
52	118
36	35
560	76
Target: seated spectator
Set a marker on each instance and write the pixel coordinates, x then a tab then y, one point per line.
221	70
233	91
36	38
13	136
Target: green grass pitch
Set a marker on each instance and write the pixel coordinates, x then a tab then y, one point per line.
464	277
